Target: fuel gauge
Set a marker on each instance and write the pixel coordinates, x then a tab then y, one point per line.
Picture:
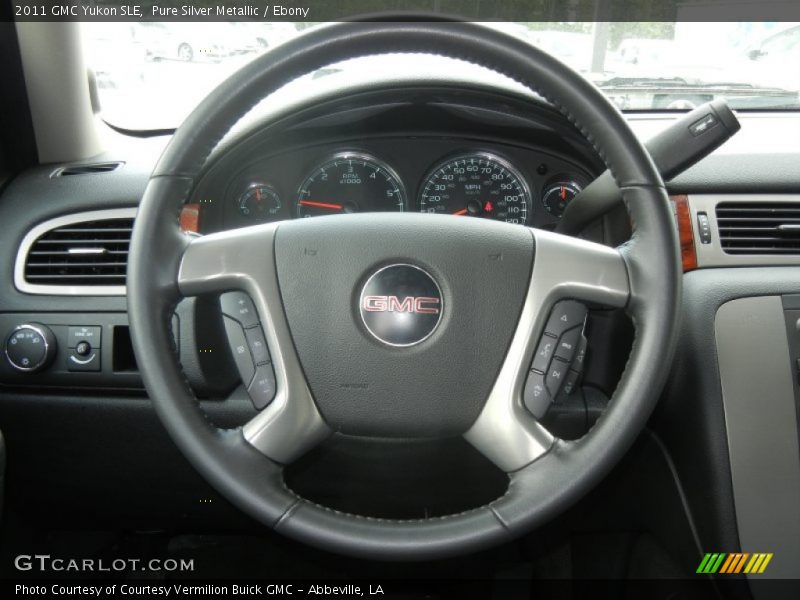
558	194
259	203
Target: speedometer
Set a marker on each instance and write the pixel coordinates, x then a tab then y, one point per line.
477	185
350	182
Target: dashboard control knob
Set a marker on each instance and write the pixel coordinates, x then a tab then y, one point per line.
83	349
30	347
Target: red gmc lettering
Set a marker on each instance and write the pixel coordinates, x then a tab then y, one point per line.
407	305
410	304
375	303
426	306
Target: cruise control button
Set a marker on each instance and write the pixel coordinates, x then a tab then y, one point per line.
544	352
566	315
555	376
91	334
239	349
262	388
568	344
258	345
238	305
535	395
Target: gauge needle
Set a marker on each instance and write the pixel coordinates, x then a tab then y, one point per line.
315	204
461	212
563	193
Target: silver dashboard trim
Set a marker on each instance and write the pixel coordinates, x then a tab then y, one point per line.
65	290
712	255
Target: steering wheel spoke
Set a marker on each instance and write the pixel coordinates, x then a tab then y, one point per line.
244	260
508	431
572	268
227	260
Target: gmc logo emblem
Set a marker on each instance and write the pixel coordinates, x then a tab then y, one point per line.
400	305
423	305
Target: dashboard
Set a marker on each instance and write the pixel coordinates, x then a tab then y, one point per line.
392	149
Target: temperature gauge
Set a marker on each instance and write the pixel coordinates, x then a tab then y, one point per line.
259	203
558	195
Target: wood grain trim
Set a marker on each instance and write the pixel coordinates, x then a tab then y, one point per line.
190	217
685	232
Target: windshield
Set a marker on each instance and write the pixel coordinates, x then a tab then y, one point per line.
151	75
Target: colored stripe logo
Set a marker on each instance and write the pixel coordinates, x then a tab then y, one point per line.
744	562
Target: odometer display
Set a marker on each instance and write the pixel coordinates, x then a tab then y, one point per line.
477	185
350	182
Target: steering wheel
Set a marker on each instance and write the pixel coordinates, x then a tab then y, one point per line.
389	295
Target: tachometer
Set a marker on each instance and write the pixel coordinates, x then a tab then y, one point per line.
477	185
350	182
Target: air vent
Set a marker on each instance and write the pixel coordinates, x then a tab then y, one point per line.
759	227
78	254
104	167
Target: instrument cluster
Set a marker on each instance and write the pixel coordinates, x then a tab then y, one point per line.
516	186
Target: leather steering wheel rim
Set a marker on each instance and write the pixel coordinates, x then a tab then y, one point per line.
537	491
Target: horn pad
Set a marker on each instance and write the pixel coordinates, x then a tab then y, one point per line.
402	321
